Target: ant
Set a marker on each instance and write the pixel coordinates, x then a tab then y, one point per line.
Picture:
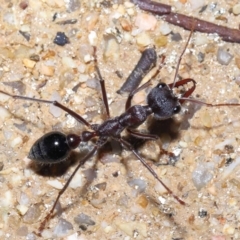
56	146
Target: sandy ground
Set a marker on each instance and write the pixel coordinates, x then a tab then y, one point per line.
120	197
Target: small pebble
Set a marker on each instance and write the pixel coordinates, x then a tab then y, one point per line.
143	39
31	236
22	209
4	114
130	227
236	9
55	183
223	56
77	181
108	229
176	37
201	175
196	4
47	70
237	62
84	219
33	214
139	184
142	201
126	25
201	40
92	38
28	63
111	48
200	57
206	119
228	229
145	22
161	41
17	141
23	4
61	39
165	29
55	111
22	231
69	62
62	228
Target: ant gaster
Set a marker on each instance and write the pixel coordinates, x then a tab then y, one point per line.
56	146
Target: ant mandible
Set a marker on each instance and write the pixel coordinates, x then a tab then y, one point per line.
56	146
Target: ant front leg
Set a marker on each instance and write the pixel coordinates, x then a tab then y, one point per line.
102	84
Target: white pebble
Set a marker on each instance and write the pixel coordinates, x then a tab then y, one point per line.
145	22
16	142
76	181
4	114
55	183
160	188
223	56
55	111
4	98
165	29
227	229
183	144
22	209
92	38
195	4
68	62
236	9
201	175
143	39
6	200
201	40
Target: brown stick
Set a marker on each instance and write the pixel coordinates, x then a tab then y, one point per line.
226	34
181	20
153	7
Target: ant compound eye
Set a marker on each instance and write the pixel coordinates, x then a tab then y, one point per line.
177	109
161	85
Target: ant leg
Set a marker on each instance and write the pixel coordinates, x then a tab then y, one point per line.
129	99
55	103
82	162
131	94
142	135
102	84
129	146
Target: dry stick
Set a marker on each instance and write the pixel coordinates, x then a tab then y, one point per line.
226	34
153	7
181	20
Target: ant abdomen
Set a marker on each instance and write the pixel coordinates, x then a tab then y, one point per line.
53	147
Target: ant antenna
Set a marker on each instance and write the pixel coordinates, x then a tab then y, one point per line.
208	104
184	50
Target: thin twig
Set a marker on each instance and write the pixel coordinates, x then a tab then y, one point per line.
181	20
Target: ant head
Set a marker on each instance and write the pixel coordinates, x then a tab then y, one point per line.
163	102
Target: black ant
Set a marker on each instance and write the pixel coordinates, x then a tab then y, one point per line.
56	146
